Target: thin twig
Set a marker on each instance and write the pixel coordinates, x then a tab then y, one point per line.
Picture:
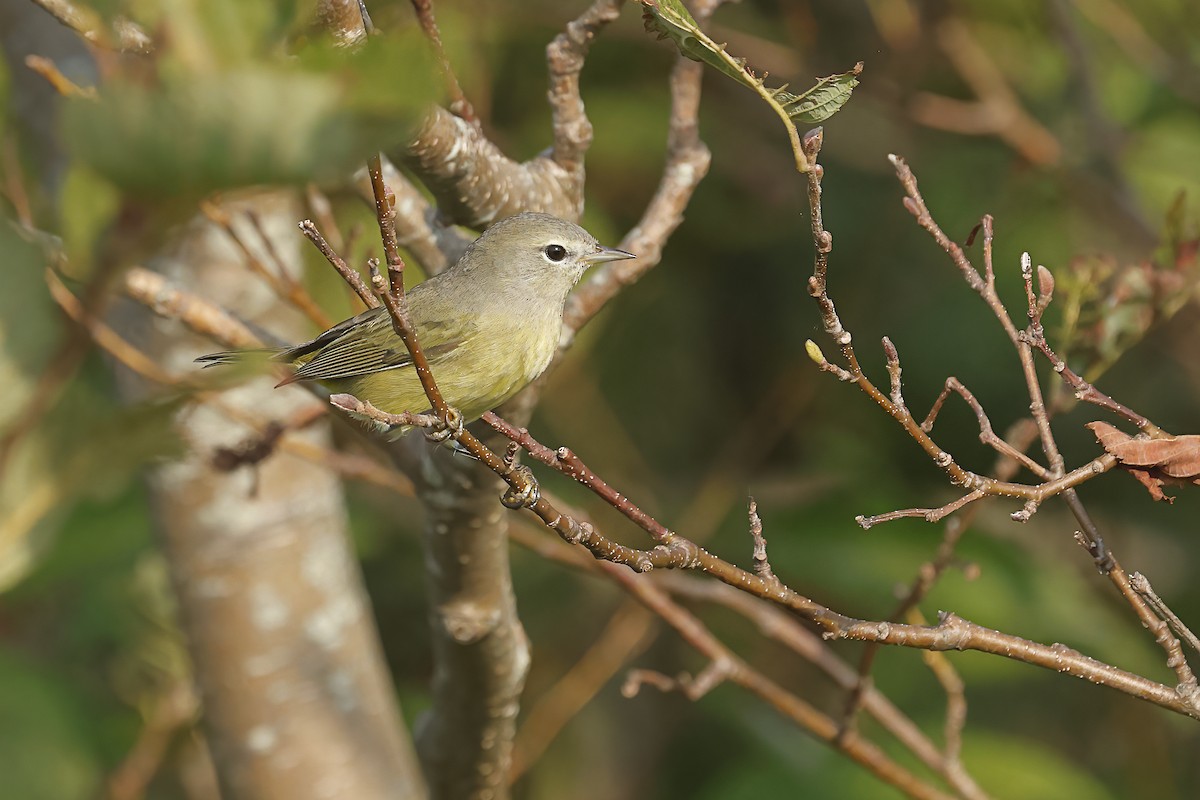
950	633
348	273
762	564
687	162
459	104
279	279
1141	585
734	669
629	631
987	434
1083	390
956	701
777	624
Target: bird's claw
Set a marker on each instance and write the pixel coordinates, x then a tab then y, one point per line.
523	492
450	428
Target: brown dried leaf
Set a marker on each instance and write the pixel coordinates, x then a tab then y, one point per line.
1175	456
1152	484
1173	459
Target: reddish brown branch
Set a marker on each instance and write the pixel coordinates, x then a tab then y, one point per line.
392	292
987	434
677	552
729	666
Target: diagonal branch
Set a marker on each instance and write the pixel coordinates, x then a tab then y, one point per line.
687	164
475	184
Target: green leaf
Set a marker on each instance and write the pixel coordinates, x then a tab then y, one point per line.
671	20
823	100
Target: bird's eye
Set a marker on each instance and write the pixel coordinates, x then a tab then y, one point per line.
555	252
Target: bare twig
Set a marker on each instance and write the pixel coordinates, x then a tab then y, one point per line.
777	624
62	84
279	279
997	111
168	300
762	565
687	163
1024	342
677	552
987	434
459	105
1141	585
348	274
105	336
627	633
363	408
1084	391
956	701
1151	615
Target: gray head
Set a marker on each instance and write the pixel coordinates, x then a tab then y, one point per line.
535	249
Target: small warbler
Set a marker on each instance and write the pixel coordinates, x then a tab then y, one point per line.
488	325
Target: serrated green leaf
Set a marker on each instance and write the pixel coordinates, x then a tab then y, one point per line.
823	100
670	20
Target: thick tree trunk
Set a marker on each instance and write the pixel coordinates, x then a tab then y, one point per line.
297	699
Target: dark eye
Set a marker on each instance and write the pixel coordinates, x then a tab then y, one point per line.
555	252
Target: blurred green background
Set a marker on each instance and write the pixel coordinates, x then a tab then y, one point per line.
691	391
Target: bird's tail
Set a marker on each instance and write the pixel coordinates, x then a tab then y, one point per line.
238	357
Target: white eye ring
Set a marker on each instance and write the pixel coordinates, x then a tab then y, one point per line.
554	253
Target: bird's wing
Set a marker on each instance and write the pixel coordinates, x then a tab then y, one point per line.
340	353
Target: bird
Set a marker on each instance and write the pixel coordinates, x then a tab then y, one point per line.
488	325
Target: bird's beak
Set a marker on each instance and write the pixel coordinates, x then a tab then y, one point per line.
606	254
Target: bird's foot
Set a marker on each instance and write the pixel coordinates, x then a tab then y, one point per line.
523	492
449	428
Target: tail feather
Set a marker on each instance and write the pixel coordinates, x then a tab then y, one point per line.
224	357
236	357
